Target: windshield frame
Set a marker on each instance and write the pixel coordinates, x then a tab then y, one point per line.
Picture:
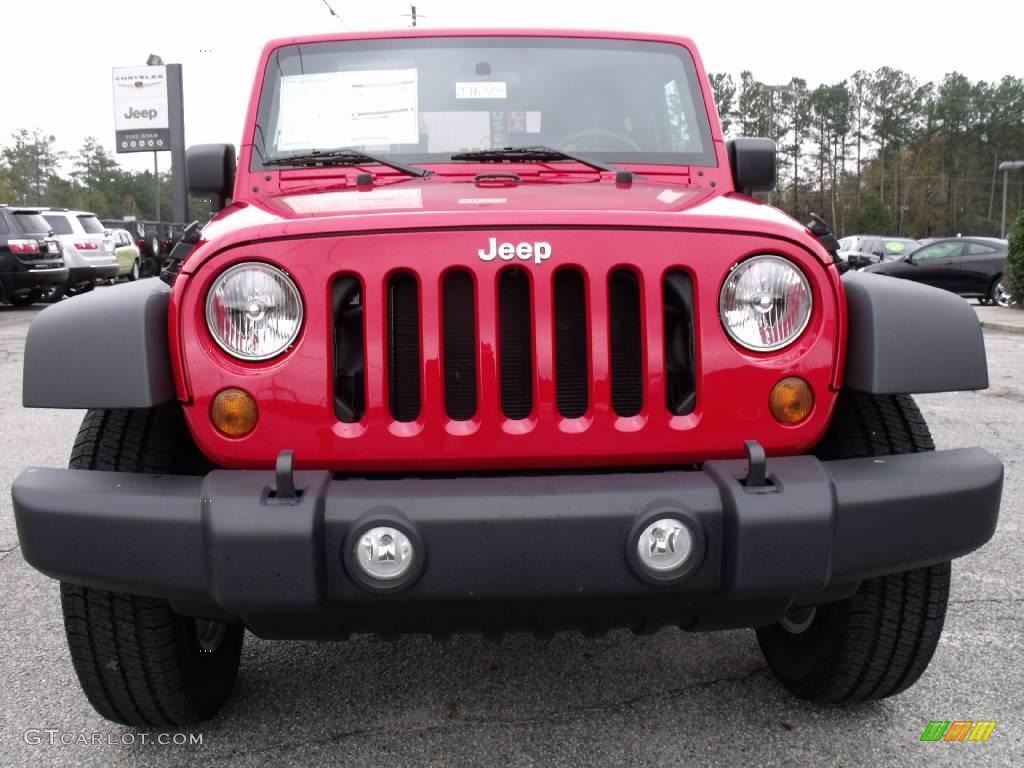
268	90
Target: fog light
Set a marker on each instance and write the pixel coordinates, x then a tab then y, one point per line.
791	400
233	412
384	553
665	545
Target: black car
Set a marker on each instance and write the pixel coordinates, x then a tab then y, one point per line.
970	266
31	258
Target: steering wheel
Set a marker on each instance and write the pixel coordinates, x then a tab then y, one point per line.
572	141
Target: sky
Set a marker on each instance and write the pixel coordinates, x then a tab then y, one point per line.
65	49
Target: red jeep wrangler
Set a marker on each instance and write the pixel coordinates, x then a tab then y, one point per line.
492	336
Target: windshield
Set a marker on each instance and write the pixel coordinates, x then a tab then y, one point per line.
895	250
422	100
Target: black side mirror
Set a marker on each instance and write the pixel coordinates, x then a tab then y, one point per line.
753	164
211	172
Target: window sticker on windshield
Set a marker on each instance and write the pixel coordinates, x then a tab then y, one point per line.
499	137
490	90
456	131
524	122
895	247
340	109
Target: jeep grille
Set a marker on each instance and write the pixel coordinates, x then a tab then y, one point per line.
572	329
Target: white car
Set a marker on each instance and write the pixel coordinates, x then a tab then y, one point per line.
88	250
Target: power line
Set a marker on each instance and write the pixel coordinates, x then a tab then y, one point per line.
335	15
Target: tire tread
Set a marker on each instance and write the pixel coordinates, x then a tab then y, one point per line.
879	641
131	653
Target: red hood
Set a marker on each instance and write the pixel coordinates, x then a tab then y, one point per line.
443	202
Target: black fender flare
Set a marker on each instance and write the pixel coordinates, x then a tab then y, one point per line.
908	338
104	349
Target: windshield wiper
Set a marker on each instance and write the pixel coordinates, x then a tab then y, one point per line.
343	156
534	154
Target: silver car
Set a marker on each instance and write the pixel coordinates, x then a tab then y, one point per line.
88	249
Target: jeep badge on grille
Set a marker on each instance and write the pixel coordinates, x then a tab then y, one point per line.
539	252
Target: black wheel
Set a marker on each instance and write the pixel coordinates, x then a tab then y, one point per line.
53	294
879	641
138	662
998	294
25	299
136	271
153	244
77	290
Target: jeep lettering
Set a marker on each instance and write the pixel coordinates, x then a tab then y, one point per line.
145	114
538	252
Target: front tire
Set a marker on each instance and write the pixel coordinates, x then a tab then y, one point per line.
54	293
998	295
135	272
879	641
138	662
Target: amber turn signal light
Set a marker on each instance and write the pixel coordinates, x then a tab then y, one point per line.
234	413
791	400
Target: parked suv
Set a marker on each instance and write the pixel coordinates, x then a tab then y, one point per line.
501	340
88	250
860	251
31	262
154	239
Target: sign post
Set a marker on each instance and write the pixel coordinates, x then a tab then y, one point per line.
149	117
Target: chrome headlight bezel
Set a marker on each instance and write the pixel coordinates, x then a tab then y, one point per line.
289	288
736	273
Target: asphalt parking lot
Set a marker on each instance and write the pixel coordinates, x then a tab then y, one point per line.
667	699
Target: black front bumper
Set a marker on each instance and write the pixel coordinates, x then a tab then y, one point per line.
507	552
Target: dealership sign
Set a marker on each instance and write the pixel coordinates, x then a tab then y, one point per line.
140	109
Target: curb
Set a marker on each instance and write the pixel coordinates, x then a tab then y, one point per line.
1004	327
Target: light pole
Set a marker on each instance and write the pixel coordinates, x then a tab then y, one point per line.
156	61
1006	167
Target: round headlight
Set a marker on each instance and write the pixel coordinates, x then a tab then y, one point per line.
765	303
254	311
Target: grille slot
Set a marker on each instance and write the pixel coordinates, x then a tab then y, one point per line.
460	343
626	343
349	348
515	341
680	355
404	347
572	373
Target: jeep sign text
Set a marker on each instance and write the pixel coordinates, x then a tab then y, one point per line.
539	252
146	114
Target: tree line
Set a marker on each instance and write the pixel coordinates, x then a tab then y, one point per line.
883	153
33	171
876	153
